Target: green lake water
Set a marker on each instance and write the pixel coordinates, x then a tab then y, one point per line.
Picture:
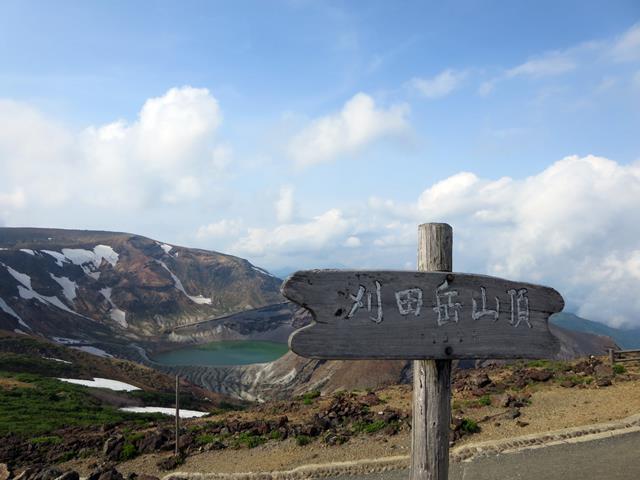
239	352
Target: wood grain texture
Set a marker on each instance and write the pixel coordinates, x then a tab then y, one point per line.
435	247
380	329
430	420
432	378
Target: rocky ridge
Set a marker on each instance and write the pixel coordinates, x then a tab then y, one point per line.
91	285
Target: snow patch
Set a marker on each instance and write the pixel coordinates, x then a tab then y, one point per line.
199	299
90	261
68	286
102	383
17	330
10	311
23	278
55	301
94	351
26	292
166	411
117	315
28	251
166	248
57	360
66	341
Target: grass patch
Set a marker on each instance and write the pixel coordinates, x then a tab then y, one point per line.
368	427
248	440
303	440
618	369
276	435
46	440
469	426
206	438
484	400
129	451
49	404
309	397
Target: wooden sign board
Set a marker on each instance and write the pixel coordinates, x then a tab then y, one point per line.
421	315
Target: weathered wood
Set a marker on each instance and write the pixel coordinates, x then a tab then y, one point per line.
432	378
611	357
421	315
435	252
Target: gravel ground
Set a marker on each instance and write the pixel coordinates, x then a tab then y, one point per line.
552	408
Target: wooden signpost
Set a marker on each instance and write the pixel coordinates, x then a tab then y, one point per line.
430	316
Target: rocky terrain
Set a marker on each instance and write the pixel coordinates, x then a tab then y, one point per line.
489	402
294	375
115	288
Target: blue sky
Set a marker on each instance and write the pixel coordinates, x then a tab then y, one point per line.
305	134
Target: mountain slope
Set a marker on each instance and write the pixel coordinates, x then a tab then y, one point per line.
102	284
628	339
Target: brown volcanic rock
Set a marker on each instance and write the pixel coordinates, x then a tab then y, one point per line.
156	285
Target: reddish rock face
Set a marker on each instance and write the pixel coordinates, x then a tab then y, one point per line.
66	283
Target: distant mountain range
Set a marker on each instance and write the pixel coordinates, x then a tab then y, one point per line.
626	339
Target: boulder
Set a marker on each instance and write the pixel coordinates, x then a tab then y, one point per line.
480	380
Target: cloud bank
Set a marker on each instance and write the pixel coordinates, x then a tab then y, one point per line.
574	226
168	155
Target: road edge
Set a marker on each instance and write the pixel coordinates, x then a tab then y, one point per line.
464	453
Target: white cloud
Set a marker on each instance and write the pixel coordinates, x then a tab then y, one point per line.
549	64
627	47
352	242
226	228
285	205
439	86
327	230
166	155
358	124
574	226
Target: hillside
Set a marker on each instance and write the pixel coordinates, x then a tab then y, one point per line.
104	285
629	339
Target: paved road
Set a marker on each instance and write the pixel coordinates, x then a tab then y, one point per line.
614	458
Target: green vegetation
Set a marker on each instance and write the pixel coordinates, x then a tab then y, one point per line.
276	435
618	369
303	440
48	440
485	400
469	425
368	427
129	451
248	440
309	397
206	438
47	404
21	363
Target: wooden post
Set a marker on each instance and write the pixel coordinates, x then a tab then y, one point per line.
432	378
177	450
611	359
